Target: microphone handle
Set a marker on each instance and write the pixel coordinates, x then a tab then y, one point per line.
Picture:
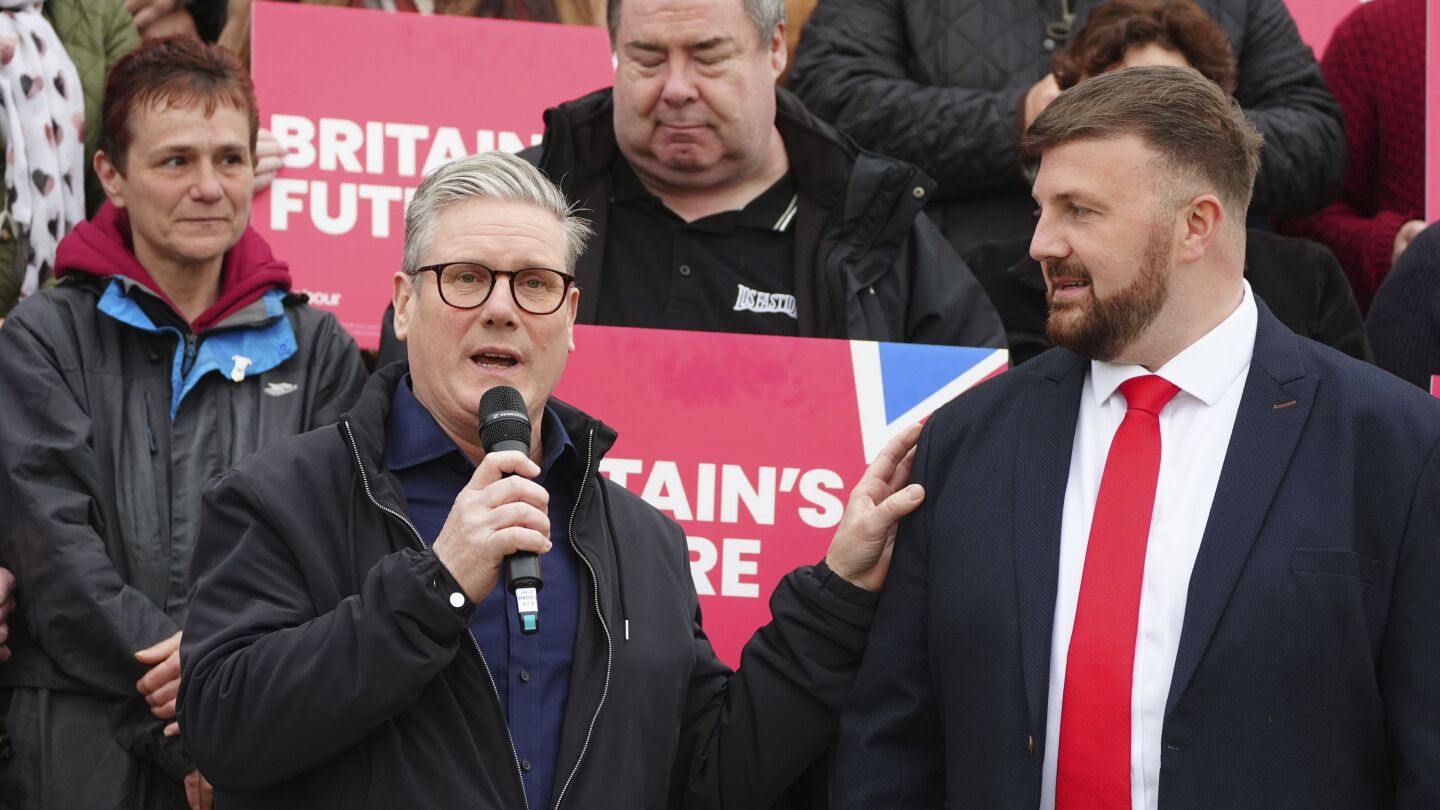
522	568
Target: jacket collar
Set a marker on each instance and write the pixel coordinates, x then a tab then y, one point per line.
580	142
366	422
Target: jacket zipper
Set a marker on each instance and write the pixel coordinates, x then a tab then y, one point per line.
609	642
365	482
191	343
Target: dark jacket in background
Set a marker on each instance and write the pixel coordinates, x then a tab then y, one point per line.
1404	322
1299	280
209	16
323	668
114	418
940	83
868	263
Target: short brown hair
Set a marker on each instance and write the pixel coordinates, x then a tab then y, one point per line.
1118	25
172	71
1197	128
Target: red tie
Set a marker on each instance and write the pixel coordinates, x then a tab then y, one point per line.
1093	771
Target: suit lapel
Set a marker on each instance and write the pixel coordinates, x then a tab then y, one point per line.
1273	410
1042	468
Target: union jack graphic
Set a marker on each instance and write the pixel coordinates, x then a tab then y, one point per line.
898	384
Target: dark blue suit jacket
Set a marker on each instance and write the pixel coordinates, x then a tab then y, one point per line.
1308	663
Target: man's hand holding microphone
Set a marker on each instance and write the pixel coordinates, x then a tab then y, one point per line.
501	511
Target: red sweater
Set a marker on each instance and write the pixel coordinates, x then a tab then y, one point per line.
1375	66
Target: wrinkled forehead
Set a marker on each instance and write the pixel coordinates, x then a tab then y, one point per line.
170	117
688	24
500	234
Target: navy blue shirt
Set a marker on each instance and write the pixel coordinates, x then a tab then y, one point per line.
532	673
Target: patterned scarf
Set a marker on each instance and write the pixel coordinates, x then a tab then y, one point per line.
42	116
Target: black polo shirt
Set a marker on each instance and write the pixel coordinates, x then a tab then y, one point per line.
728	272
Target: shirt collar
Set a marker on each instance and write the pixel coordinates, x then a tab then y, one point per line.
416	438
773	210
1205	369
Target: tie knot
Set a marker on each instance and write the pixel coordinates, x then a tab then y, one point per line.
1149	393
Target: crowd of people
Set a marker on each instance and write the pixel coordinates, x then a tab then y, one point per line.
244	563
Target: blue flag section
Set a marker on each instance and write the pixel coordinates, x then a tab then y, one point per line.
897	384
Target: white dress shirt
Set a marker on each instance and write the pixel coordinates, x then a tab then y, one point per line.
1194	434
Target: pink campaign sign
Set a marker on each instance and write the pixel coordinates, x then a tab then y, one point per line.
1432	130
366	102
752	443
1317	19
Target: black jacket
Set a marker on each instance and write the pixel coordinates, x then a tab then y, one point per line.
940	83
100	482
322	668
869	264
1299	280
1404	322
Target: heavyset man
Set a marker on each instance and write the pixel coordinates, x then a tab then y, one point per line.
170	350
722	204
350	647
1188	560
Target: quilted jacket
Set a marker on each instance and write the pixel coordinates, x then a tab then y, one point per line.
939	83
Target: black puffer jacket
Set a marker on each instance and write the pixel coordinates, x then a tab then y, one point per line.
322	668
869	265
940	83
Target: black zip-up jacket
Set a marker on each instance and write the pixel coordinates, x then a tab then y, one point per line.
100	484
868	263
323	667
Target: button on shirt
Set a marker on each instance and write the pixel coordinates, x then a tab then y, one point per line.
728	272
1194	435
531	673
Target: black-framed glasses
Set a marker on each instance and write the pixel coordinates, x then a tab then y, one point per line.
467	285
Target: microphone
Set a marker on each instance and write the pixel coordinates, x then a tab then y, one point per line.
505	425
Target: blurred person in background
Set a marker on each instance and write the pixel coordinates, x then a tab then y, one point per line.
53	59
721	204
949	84
1299	280
170	349
1375	66
164	18
1404	323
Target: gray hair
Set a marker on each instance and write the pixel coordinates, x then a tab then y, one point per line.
487	176
765	14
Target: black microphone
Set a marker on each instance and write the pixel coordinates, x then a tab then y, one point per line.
505	425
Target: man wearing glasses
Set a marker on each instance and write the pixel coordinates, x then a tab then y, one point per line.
347	645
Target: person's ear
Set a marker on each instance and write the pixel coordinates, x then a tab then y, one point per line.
111	179
402	297
1204	218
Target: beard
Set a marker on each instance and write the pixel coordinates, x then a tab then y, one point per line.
1101	328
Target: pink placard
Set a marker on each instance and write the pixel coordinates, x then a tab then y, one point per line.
1316	19
1435	385
752	443
366	102
1432	114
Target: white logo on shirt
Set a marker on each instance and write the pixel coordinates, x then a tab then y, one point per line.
280	389
749	300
